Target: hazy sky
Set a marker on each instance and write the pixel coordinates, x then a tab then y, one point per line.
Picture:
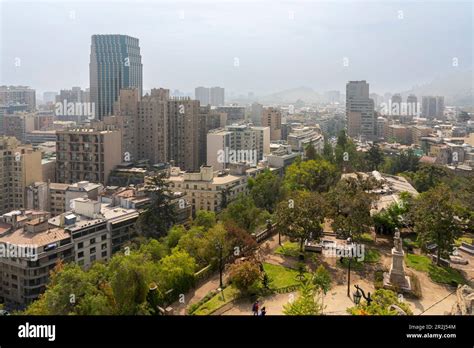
278	44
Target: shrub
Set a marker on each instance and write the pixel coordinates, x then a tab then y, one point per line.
244	275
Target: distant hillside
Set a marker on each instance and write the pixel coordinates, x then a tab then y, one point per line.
457	88
306	94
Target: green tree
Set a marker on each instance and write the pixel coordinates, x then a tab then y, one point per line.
174	235
382	302
176	272
349	207
436	219
322	281
310	152
204	218
328	152
311	175
217	247
346	156
374	157
428	176
159	215
305	304
265	190
301	216
243	213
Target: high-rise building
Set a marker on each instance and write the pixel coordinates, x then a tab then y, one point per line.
152	127
216	96
271	117
115	63
18	125
256	111
202	94
184	123
210	96
18	95
20	166
412	105
432	107
88	153
360	112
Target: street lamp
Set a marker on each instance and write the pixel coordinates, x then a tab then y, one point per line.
219	249
350	252
359	294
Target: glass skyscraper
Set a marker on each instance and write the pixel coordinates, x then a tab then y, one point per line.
115	63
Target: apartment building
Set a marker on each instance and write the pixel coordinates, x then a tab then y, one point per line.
271	117
237	143
57	198
20	166
37	247
87	154
18	95
18	125
300	137
206	189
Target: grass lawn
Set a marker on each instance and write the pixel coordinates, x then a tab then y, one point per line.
365	238
371	256
288	249
281	277
467	240
230	293
438	274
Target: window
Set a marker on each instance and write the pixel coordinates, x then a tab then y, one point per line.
104	237
103	246
104	253
92	241
92	251
81	254
93	257
80	245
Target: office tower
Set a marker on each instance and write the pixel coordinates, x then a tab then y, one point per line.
412	105
18	95
20	166
87	153
360	112
115	63
256	111
203	95
216	96
238	143
271	117
432	107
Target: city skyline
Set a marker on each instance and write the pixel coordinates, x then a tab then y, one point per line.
279	50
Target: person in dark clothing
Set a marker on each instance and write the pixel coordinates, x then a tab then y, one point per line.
255	308
263	311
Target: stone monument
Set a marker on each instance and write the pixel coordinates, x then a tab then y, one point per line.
396	278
